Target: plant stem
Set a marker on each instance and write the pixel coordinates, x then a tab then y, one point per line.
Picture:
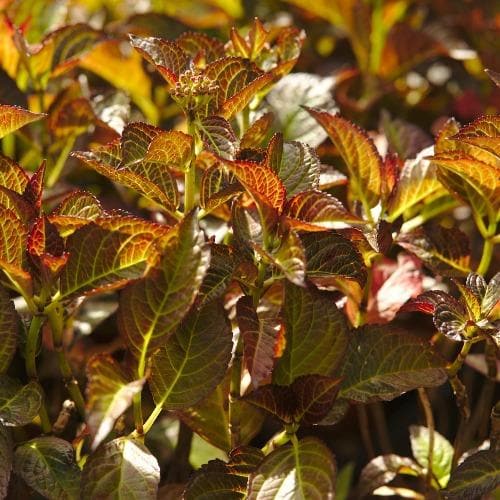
234	395
378	414
418	220
190	173
179	466
454	368
55	315
429	420
56	170
277	440
31	348
486	256
364	428
137	402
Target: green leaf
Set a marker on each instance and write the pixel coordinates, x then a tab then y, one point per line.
382	470
12	176
107	253
219	137
442	453
151	308
109	394
315	211
194	359
19	404
316	335
445	250
9	323
417	180
384	362
286	99
259	333
358	152
475	476
305	470
199	45
298	167
13	236
6	459
331	257
218	479
47	464
122	468
307	400
217	186
14	117
256	134
171	148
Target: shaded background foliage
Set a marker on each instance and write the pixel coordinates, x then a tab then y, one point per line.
336	221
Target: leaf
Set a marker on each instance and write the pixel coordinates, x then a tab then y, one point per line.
331	257
259	333
305	470
359	154
286	99
451	318
259	179
495	77
14	117
217	186
201	46
491	295
151	308
417	180
471	180
307	400
19	404
383	362
256	134
6	459
316	335
219	137
445	250
167	57
223	262
109	394
442	453
315	211
9	325
171	148
382	470
107	253
47	464
12	239
475	476
484	133
12	176
298	167
120	468
34	189
194	359
123	69
219	479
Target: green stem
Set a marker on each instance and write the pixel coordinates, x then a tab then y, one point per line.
277	440
190	173
429	420
137	402
31	348
235	394
454	368
418	220
55	315
486	257
56	170
9	145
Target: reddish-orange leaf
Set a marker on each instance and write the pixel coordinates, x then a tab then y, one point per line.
34	189
14	117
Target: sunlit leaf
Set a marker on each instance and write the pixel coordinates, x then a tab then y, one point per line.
19	404
475	476
219	479
6	459
451	318
259	333
483	133
12	176
288	96
217	186
219	137
107	253
122	467
194	359
383	362
298	167
258	131
305	469
14	117
258	178
442	453
445	250
151	308
109	394
382	470
491	294
331	257
47	464
316	211
358	152
171	148
307	400
316	335
13	236
201	46
9	324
